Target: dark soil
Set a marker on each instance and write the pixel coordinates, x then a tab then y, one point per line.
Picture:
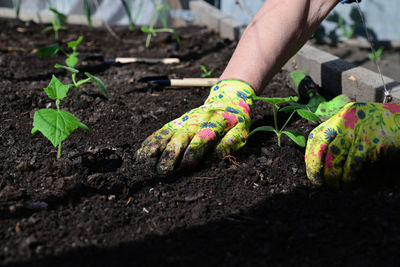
96	206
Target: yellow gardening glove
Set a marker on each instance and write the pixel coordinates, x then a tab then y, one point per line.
223	121
361	133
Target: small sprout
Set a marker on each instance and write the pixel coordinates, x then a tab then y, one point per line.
295	135
56	125
17	6
56	23
206	73
375	55
72	58
88	12
347	32
151	31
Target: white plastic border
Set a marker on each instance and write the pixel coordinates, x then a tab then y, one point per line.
332	73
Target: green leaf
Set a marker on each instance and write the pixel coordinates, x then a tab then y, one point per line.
98	82
49	50
308	115
55	125
60	15
288	109
56	90
71	60
296	136
146	29
48	28
73	70
262	129
88	13
74	44
277	100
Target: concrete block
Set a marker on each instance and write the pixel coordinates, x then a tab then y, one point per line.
337	76
212	17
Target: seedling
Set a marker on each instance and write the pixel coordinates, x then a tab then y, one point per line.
56	23
56	125
295	135
151	31
206	73
345	31
127	4
91	78
17	6
88	12
376	55
72	58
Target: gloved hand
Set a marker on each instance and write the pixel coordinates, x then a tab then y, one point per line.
361	133
223	120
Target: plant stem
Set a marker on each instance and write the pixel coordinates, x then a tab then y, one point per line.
287	121
76	86
59	151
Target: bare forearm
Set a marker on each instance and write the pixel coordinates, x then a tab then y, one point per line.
278	30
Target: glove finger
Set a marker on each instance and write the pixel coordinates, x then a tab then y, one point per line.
335	158
233	140
202	141
173	151
154	144
317	146
354	162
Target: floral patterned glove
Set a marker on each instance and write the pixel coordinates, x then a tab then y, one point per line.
223	120
360	133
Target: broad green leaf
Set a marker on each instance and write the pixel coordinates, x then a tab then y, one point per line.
277	100
55	125
73	70
56	89
308	115
296	136
48	50
74	44
262	129
71	60
98	82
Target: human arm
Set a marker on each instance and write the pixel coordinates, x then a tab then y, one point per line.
278	30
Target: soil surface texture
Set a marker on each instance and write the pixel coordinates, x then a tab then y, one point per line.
96	206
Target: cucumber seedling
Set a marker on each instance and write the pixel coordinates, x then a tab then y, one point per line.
56	23
72	57
151	31
206	73
56	125
295	135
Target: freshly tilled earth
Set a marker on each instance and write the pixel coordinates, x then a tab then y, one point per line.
97	206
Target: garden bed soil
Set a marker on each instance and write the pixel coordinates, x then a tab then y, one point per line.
97	206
